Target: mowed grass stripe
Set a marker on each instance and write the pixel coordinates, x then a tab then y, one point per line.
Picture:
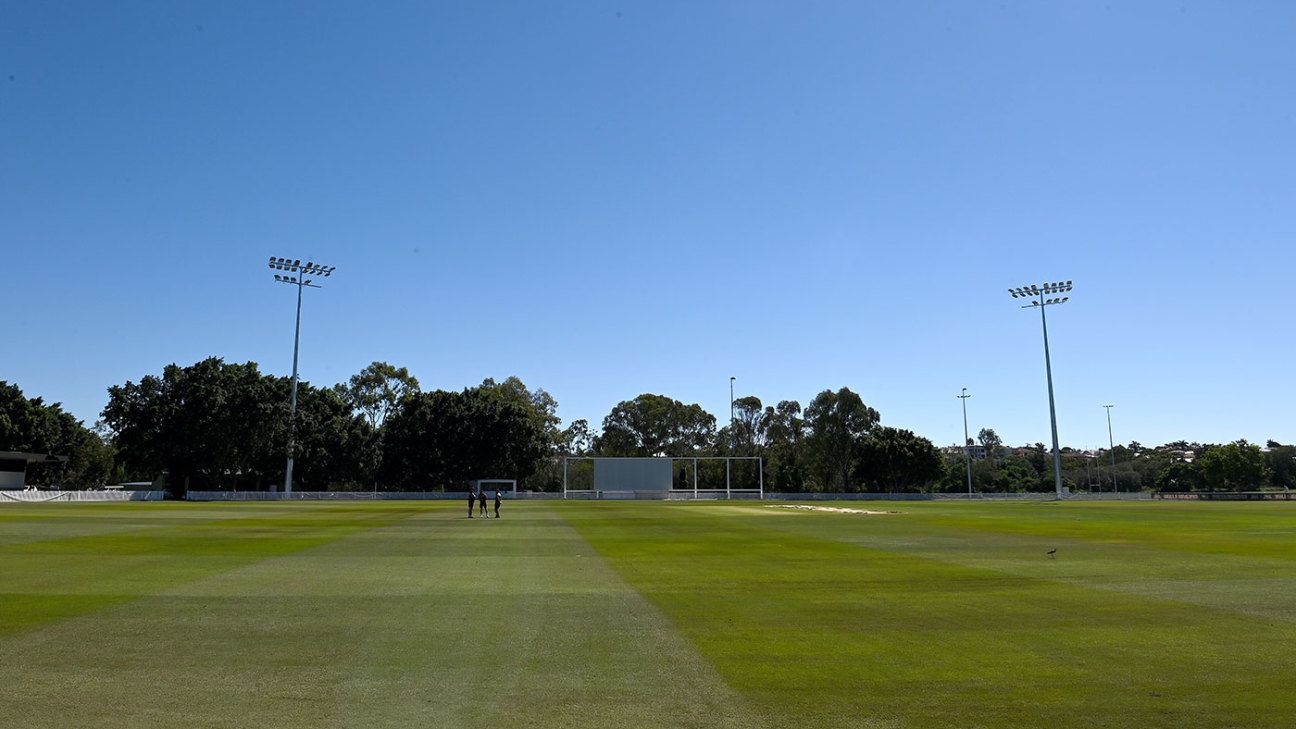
37	522
77	568
433	620
820	632
1216	571
1249	530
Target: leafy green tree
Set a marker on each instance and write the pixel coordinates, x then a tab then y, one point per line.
32	426
202	424
576	439
544	410
785	433
219	424
377	390
892	459
837	422
1236	466
750	424
542	405
991	442
445	439
1180	476
1282	464
655	425
335	447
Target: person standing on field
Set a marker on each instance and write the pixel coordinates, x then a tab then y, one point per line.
481	501
497	503
471	499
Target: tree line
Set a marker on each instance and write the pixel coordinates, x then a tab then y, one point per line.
1176	466
221	425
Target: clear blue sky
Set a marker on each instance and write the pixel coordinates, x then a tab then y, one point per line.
607	199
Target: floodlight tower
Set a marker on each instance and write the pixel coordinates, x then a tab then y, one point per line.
967	445
1111	447
301	282
732	420
1044	296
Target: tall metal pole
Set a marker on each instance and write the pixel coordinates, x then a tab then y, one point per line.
1048	370
294	266
292	407
732	418
967	444
1039	296
1111	447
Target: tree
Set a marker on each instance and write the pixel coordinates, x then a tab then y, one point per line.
542	406
838	422
223	424
1236	466
334	445
899	460
32	426
785	431
377	390
1180	476
655	425
209	421
1282	463
749	426
990	441
445	439
576	439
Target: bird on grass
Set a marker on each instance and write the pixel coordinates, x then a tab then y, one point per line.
1052	553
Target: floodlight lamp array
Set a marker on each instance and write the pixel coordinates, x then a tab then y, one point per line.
1033	290
296	266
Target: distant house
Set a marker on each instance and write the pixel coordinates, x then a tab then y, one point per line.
977	452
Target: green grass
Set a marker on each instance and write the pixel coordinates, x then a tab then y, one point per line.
613	614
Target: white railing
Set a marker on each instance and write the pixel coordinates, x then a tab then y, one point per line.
605	495
358	495
79	496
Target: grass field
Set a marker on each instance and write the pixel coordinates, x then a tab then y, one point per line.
609	614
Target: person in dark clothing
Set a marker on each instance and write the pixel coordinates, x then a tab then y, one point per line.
471	499
481	501
497	503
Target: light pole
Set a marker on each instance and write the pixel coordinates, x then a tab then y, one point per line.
300	281
967	442
1039	297
732	419
1111	447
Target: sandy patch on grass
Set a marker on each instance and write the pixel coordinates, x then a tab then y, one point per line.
837	509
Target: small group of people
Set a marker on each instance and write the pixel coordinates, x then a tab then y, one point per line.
480	499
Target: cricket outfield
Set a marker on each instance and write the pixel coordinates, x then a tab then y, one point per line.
642	614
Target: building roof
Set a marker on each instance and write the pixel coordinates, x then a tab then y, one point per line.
31	457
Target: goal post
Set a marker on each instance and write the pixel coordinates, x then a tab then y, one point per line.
494	484
655	477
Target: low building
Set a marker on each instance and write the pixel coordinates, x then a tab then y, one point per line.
13	467
977	452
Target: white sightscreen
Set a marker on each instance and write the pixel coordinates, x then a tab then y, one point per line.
632	474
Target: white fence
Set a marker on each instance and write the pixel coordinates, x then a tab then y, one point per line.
672	495
78	496
358	495
660	495
1041	496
